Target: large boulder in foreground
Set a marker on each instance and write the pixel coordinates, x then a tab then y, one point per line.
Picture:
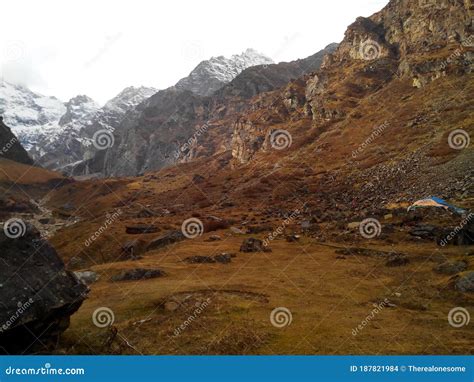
37	294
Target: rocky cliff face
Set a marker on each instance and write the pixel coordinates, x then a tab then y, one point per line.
61	143
259	79
212	74
177	125
417	42
149	136
73	145
10	146
79	110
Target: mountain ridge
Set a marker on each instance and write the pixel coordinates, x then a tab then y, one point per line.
212	74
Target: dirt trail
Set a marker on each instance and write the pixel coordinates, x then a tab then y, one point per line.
45	221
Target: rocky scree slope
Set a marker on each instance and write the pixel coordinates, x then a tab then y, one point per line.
378	114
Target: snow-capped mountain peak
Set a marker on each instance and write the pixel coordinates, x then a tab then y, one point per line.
210	75
79	110
128	98
54	132
23	109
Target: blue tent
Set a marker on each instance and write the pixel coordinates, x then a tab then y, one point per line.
433	201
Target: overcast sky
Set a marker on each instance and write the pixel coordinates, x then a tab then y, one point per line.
98	47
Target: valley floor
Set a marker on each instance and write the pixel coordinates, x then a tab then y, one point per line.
336	304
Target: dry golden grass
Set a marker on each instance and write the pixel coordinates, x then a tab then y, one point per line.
327	296
14	172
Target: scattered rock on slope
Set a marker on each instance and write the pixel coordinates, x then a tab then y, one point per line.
253	245
138	274
166	239
465	283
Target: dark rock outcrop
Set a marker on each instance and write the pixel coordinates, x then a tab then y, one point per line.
164	240
141	228
465	282
131	249
223	258
397	261
254	245
138	274
38	295
10	147
451	268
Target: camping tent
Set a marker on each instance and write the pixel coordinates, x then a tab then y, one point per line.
433	201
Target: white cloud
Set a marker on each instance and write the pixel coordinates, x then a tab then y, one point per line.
99	47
